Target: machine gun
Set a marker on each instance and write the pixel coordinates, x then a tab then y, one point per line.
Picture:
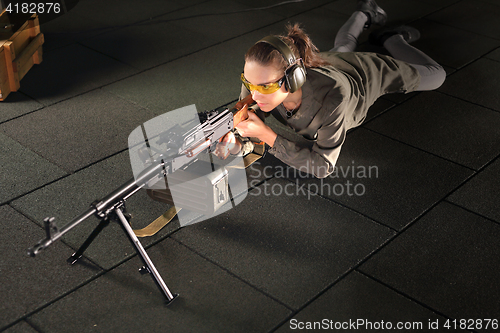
188	144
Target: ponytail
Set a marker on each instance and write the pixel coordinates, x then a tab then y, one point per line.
297	40
302	46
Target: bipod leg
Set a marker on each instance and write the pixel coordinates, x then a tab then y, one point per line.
79	253
149	266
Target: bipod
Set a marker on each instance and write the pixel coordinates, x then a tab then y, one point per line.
118	213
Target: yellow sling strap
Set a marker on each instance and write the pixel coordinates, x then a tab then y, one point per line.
157	224
164	219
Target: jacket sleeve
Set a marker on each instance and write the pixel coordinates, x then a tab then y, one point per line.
318	158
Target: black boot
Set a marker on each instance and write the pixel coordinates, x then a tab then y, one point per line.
379	37
376	15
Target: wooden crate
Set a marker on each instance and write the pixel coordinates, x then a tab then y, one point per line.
20	48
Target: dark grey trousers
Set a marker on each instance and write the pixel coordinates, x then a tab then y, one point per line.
432	74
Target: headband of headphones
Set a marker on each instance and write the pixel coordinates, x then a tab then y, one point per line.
295	73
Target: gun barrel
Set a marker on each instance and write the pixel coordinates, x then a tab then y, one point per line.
102	206
129	188
52	237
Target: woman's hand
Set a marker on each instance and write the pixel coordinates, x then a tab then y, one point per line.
254	127
228	144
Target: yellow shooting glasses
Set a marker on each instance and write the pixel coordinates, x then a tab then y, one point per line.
263	88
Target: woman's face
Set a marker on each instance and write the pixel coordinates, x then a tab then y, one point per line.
258	74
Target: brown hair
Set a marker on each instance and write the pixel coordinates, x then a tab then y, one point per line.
297	40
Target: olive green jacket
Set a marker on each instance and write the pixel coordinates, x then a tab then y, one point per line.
335	99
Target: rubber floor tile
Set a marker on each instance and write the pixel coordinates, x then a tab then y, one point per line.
476	83
17	104
494	55
126	12
388	181
285	243
285	9
29	283
210	300
359	303
453	129
70	71
397	11
208	79
480	194
479	17
74	133
220	20
450	46
448	261
139	46
17	167
21	327
321	24
70	28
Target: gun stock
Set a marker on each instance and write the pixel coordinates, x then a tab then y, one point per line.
241	109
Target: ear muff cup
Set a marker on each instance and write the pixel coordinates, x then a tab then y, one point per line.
295	73
295	77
